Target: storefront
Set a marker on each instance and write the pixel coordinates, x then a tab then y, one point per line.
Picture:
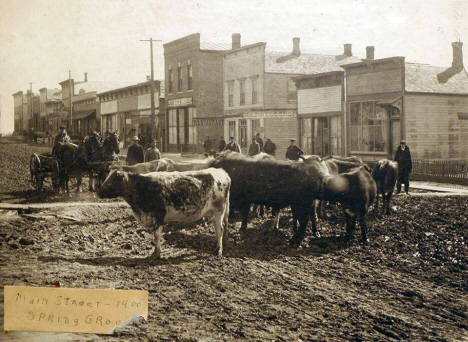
182	132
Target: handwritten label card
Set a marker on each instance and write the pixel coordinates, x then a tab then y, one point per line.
72	310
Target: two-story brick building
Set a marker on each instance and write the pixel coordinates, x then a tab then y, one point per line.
46	95
390	99
127	110
194	92
260	95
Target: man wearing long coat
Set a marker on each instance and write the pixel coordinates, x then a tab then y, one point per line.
405	166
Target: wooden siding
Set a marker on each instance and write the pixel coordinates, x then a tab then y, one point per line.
319	100
280	130
109	107
433	130
376	82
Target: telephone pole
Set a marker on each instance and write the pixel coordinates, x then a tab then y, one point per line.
70	103
153	114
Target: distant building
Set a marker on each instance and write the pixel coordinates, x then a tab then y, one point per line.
194	92
260	95
45	121
20	112
390	99
127	110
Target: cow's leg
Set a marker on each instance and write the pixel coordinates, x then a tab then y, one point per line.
226	220
303	217
276	213
376	204
245	217
158	229
78	184
362	223
91	181
350	223
388	197
312	215
218	221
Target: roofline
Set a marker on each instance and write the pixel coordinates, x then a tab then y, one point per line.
66	81
246	47
18	92
128	87
434	93
179	40
372	61
318	75
43	88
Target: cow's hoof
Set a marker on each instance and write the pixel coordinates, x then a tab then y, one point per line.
364	241
316	234
295	242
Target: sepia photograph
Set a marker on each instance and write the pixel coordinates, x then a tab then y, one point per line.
263	170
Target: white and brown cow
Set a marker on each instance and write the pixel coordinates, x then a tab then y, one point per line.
157	198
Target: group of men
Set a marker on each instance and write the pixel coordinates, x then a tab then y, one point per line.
136	154
255	147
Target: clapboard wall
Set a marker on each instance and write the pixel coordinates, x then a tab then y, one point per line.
434	128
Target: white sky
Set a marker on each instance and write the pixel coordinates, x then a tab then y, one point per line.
40	40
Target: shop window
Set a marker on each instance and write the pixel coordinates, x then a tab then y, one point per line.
173	126
369	125
335	135
192	130
254	90
230	94
189	76
242	92
232	129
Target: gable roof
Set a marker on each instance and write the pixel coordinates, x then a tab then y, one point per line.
423	78
306	63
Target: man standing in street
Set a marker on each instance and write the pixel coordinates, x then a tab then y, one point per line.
232	146
207	145
152	153
254	148
222	144
405	166
270	147
293	152
135	153
259	141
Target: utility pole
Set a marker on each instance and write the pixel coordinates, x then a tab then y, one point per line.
30	107
70	103
153	114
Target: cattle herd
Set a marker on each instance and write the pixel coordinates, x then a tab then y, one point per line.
164	191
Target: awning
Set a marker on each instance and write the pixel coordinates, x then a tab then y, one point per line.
82	114
390	101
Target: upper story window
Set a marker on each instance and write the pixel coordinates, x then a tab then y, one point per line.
231	93
189	76
292	91
254	90
242	91
171	80
369	126
179	78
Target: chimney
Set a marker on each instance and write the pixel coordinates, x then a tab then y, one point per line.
236	41
370	52
347	50
296	48
148	78
457	63
86	77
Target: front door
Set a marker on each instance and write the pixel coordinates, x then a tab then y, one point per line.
243	133
395	136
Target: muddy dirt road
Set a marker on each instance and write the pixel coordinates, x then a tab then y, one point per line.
409	283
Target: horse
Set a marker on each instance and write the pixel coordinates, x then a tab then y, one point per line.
101	152
71	160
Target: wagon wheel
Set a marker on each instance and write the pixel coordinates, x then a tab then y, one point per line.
35	169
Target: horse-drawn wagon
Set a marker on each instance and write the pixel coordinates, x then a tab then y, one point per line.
41	167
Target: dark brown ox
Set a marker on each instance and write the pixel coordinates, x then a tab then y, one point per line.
276	184
160	197
355	190
385	175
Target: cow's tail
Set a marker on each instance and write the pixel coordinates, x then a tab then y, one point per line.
226	212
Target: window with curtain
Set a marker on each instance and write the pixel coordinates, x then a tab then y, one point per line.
369	125
189	76
292	91
242	91
230	93
254	90
171	80
335	135
181	126
179	78
232	129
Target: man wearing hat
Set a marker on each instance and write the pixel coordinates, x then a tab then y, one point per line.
152	153
232	146
135	153
403	158
61	138
254	148
222	144
293	152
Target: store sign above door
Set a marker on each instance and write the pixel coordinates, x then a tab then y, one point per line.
185	101
207	122
259	115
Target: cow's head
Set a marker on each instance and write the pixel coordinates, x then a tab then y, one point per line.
114	184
